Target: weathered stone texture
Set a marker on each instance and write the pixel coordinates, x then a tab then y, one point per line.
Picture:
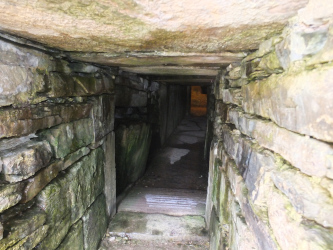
141	26
261	168
95	223
271	156
87	182
22	161
20	82
232	96
74	157
311	156
16	87
216	241
241	222
62	85
35	184
132	81
300	42
74	238
70	106
16	55
250	190
69	137
325	55
298	101
132	148
307	197
110	174
10	195
291	230
241	236
66	198
24	121
23	226
31	240
102	115
31	77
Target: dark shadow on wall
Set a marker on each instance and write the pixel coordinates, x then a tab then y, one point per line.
145	118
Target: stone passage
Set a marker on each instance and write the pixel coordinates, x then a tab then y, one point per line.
90	90
165	209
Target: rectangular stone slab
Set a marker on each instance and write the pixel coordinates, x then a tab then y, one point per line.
177	202
24	121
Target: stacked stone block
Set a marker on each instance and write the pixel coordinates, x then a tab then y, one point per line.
270	183
57	172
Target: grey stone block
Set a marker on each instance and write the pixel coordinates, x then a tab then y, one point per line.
95	223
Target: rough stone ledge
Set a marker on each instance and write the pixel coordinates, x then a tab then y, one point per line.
10	195
22	226
66	138
32	240
311	156
30	77
305	193
298	100
63	85
233	96
264	48
19	55
24	121
20	161
35	184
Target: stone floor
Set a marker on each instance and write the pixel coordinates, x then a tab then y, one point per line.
165	209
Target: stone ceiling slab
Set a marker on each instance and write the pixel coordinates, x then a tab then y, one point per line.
120	26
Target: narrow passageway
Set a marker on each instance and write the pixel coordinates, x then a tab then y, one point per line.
165	209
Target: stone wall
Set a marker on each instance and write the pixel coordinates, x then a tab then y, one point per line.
271	158
57	187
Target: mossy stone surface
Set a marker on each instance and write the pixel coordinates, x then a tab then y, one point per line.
67	197
19	227
10	195
132	148
15	122
74	238
32	240
95	223
69	137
